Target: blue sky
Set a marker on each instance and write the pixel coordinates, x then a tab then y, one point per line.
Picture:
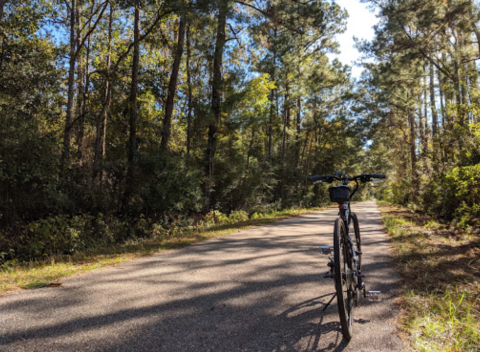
360	24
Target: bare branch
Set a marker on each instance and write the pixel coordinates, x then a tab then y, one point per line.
92	14
234	34
91	29
69	8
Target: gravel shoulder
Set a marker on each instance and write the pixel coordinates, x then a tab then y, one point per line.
260	289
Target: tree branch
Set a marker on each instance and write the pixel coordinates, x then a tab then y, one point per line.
91	29
234	34
92	13
147	32
424	54
266	14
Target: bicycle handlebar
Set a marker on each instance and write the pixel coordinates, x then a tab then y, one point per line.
331	178
320	177
374	175
345	178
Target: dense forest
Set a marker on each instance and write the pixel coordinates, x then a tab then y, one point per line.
121	115
421	95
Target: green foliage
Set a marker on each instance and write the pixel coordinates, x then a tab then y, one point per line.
167	184
455	195
71	176
215	217
238	216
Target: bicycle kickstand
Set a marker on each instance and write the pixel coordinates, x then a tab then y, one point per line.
326	306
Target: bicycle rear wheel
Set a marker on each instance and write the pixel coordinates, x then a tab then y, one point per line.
356	228
343	276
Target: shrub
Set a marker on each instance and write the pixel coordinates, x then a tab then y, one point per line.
455	195
63	234
238	216
216	217
257	216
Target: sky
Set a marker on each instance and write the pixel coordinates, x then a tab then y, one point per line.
360	24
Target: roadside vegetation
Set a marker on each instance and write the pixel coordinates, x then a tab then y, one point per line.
440	267
47	270
123	120
421	96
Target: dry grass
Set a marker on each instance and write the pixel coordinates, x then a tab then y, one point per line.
47	271
440	266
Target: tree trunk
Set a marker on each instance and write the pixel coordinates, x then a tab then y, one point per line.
442	100
172	85
458	95
432	102
413	154
100	138
216	104
71	84
80	82
424	123
189	102
84	82
2	6
297	137
272	102
286	118
133	109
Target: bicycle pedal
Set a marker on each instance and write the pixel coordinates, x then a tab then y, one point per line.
373	296
328	275
326	250
358	252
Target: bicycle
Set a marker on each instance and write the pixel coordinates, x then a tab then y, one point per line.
346	264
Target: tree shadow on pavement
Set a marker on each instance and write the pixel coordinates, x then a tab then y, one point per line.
200	298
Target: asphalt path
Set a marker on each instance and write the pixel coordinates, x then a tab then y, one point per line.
257	290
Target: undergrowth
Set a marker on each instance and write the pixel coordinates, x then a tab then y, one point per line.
47	269
440	265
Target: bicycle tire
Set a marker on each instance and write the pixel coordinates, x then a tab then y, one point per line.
343	267
356	229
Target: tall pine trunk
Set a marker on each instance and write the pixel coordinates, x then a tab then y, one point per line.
432	102
297	137
101	132
70	84
216	105
172	85
133	110
286	119
189	99
2	5
413	153
272	101
84	82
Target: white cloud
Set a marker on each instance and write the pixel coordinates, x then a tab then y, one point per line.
360	24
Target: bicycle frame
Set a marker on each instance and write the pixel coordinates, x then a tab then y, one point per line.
345	215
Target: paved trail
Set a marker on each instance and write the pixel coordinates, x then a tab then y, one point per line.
258	290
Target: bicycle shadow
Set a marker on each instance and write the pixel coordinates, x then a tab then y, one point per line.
315	332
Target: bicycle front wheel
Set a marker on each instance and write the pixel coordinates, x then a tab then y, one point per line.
343	276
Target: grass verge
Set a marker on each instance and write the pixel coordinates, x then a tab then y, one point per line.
47	271
440	266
